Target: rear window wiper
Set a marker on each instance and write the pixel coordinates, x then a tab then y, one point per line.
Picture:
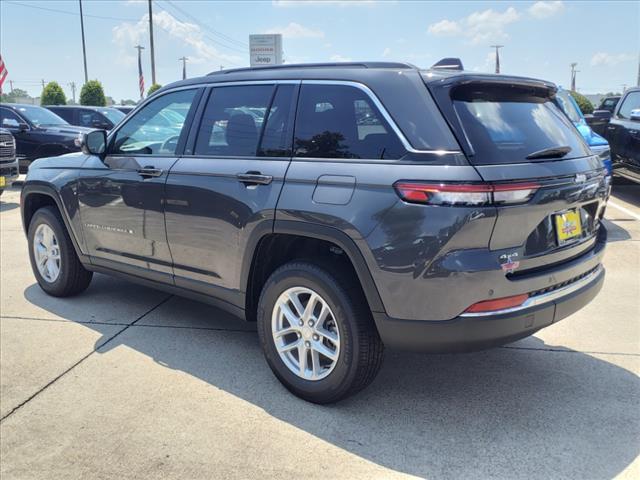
553	152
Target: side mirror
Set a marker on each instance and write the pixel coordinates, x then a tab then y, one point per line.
602	115
23	127
635	114
94	143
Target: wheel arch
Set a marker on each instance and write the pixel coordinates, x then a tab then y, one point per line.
36	196
302	230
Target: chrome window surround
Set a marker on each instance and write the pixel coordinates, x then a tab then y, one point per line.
372	96
544	298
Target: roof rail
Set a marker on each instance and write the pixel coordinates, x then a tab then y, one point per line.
393	65
450	63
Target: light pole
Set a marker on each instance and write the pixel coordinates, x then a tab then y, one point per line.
153	58
84	49
497	47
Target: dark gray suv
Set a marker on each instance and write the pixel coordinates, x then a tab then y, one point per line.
342	207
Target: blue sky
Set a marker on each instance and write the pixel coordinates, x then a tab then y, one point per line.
541	38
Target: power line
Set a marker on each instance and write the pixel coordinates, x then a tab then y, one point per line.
207	27
66	12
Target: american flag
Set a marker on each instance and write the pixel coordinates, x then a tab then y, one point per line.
140	75
3	72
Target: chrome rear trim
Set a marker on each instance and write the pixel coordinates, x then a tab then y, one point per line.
545	297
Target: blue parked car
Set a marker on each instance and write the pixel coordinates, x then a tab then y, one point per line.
597	144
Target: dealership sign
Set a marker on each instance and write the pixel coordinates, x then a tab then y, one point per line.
265	49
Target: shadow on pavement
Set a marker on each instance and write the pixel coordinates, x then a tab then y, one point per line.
628	192
615	233
503	413
6	206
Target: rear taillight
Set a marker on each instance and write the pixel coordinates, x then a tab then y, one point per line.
497	304
465	194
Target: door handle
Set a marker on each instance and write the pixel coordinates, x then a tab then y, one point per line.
149	171
254	178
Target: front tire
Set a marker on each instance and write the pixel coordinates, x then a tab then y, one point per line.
317	333
54	262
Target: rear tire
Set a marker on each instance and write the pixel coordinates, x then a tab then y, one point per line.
358	351
68	277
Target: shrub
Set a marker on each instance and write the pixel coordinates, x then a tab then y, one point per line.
92	94
583	102
52	94
153	88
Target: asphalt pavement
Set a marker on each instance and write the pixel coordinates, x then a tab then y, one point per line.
127	382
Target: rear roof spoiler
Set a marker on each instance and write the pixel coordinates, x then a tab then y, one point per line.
448	64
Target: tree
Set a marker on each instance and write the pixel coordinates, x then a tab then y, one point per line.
16	94
153	88
127	102
92	94
52	94
583	102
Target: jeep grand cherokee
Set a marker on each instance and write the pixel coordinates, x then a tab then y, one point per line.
342	207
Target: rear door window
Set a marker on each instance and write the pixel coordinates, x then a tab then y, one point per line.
508	124
233	119
339	121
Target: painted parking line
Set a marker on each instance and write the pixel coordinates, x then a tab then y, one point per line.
623	209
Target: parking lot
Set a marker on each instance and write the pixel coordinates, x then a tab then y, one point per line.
124	382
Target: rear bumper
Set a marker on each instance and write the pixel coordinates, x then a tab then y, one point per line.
468	333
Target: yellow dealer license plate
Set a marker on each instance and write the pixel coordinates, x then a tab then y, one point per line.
3	182
568	226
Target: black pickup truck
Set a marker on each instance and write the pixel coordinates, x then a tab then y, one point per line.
621	128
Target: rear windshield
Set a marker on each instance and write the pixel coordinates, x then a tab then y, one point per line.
507	124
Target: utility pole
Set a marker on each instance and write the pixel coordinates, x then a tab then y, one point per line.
221	67
43	84
624	87
184	67
573	76
497	47
84	48
11	85
153	58
73	90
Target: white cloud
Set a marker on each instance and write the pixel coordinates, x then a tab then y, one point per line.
127	34
546	9
478	27
444	28
386	52
339	58
295	30
610	59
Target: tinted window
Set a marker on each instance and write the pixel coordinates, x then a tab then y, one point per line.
113	114
630	102
568	106
149	132
40	116
90	118
9	119
505	125
65	113
276	136
233	119
338	121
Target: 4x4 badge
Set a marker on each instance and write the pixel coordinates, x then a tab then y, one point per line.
507	262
